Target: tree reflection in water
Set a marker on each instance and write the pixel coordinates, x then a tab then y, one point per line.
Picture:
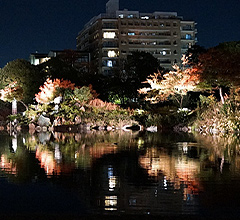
129	172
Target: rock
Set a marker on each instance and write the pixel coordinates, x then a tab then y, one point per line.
31	126
44	137
152	129
109	128
57	100
43	121
38	129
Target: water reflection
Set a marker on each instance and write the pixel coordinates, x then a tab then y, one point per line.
128	172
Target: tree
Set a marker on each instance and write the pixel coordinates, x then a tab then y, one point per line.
57	68
69	57
65	89
193	54
25	75
12	93
53	88
172	85
219	67
128	78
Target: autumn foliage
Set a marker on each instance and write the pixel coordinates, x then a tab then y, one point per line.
101	104
174	84
12	91
48	90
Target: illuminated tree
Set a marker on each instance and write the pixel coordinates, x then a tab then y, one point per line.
67	90
172	85
27	76
53	88
12	93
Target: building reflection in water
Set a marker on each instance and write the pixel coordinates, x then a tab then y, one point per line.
123	174
110	203
176	169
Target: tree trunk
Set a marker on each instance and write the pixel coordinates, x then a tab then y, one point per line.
221	95
24	105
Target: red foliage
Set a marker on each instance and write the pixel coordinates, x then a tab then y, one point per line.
11	91
47	91
101	104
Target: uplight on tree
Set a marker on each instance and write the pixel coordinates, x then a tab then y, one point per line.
48	90
172	85
12	93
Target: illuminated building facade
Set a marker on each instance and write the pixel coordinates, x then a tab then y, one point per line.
110	37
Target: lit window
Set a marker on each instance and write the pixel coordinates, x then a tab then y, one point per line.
164	53
144	17
188	36
112	181
112	53
109	34
36	62
111	203
131	33
45	59
109	63
130	16
121	16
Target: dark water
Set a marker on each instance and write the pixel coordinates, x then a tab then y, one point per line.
119	174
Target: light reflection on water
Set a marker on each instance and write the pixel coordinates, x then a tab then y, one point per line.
129	172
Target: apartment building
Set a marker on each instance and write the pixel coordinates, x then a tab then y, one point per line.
110	37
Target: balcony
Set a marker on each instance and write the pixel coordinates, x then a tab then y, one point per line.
188	29
110	45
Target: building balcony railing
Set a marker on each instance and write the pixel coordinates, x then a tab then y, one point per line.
150	43
184	38
165	62
188	29
110	27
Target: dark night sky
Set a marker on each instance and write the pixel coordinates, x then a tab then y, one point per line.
30	25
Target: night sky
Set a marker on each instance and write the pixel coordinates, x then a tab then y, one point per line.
27	26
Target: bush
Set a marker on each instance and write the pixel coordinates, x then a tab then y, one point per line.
215	115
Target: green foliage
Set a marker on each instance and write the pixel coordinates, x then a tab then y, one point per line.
164	119
12	92
79	106
207	101
83	94
125	82
26	75
213	114
21	119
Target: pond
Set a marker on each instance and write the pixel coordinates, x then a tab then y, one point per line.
118	174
